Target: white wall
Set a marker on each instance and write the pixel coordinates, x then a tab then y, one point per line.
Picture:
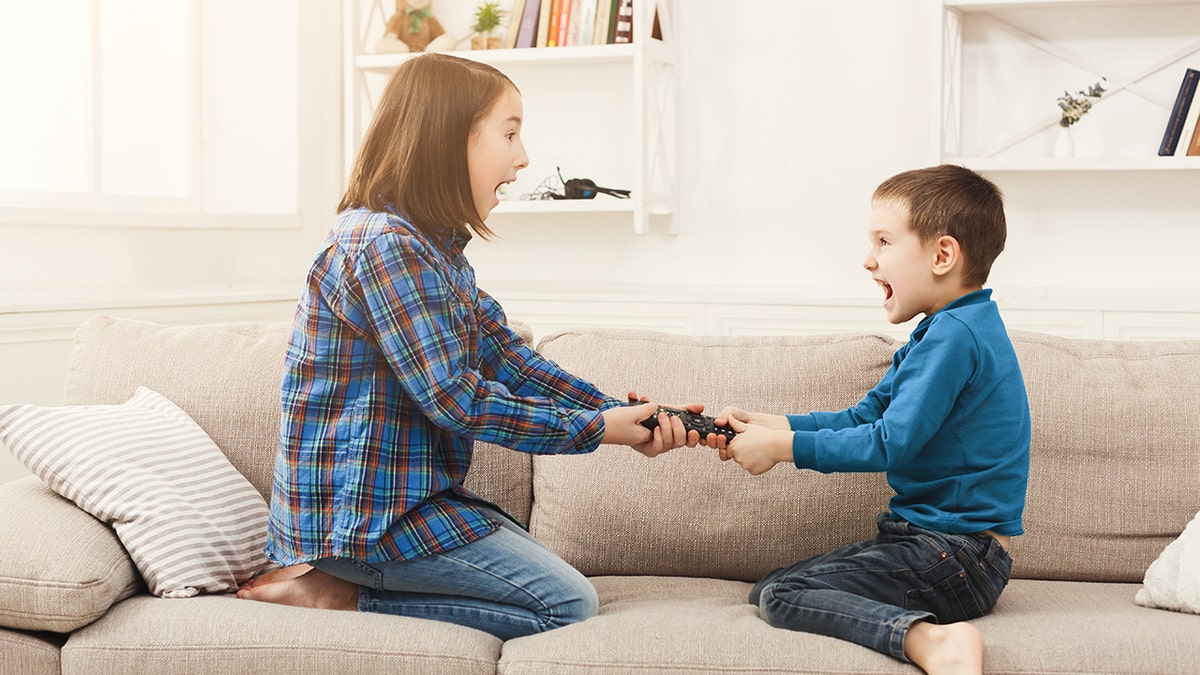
792	111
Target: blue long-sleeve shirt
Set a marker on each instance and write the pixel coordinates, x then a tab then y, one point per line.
397	363
948	423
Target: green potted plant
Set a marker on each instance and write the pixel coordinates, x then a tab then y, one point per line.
487	18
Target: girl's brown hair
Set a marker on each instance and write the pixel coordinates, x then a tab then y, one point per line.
414	154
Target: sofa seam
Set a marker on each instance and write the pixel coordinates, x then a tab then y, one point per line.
172	649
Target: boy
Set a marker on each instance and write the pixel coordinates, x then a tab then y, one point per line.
948	423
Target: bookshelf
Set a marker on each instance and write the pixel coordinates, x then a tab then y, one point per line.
604	112
1005	62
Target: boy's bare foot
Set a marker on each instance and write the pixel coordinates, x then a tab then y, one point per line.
953	649
277	574
312	588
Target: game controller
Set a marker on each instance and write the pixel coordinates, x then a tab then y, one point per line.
703	424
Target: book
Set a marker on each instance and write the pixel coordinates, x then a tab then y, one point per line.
573	28
612	23
1194	147
514	15
564	22
586	22
543	28
552	29
527	30
604	12
1189	126
624	32
1187	90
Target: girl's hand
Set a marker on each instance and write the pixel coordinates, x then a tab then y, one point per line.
623	426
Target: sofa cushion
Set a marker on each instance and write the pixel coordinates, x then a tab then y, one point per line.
686	513
29	653
1041	626
656	625
189	520
222	634
1115	466
61	568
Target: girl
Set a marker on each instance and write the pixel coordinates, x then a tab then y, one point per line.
398	363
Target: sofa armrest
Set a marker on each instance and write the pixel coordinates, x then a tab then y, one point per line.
61	568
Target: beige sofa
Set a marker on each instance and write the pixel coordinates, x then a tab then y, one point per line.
672	544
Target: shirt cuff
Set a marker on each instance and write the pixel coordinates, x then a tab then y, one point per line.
610	403
802	422
804	449
588	427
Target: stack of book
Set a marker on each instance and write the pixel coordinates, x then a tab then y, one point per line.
1181	122
564	23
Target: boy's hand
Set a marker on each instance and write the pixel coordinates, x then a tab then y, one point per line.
759	419
756	448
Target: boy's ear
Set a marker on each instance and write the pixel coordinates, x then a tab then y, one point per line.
947	255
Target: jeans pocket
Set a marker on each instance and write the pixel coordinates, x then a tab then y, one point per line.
950	599
988	574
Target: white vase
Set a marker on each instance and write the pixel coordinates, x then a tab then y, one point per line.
1064	145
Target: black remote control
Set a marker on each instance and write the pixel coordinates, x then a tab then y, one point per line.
703	424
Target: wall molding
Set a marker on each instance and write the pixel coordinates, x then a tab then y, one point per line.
55	318
1116	314
689	309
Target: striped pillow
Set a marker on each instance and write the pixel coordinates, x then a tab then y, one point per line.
190	521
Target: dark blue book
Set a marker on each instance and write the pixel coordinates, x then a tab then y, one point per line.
1183	102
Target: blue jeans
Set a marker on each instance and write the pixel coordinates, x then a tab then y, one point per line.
871	592
507	584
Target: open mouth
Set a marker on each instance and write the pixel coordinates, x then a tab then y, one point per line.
887	290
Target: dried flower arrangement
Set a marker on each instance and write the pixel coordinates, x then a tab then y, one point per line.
1074	107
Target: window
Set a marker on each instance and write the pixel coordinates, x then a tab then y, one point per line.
149	111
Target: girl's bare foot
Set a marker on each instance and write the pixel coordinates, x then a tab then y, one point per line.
954	649
277	574
312	588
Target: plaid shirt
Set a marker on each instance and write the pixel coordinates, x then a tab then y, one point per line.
396	365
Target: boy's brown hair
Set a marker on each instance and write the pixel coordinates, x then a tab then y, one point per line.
414	154
952	200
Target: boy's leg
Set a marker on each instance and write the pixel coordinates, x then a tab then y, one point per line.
871	593
507	584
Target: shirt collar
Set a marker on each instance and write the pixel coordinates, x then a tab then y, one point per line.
448	239
451	240
973	298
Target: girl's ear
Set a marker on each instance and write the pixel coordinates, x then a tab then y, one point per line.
947	255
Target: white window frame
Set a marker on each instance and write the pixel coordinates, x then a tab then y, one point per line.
96	208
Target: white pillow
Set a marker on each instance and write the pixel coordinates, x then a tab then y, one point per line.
1173	579
190	521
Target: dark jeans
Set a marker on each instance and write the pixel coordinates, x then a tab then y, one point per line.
871	592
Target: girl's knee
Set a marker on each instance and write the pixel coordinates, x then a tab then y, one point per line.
580	604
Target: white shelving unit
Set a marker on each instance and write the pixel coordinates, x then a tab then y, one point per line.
605	112
1005	62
